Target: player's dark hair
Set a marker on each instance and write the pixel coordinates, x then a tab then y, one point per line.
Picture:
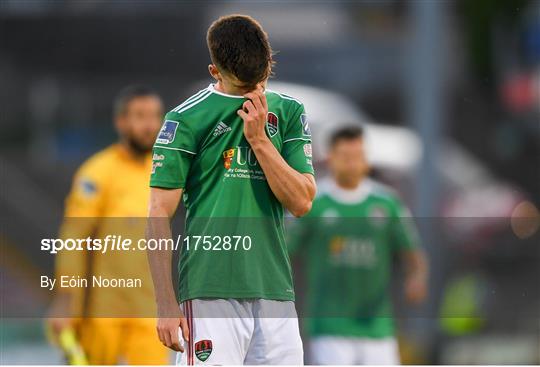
129	93
238	45
347	133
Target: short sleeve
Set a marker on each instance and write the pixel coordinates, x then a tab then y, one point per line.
297	150
404	231
177	134
173	152
87	195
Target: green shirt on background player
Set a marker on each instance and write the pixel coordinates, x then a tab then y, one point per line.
202	149
348	242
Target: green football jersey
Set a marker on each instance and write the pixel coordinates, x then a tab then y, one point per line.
348	240
241	251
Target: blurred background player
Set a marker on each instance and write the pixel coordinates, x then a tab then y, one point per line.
351	234
109	196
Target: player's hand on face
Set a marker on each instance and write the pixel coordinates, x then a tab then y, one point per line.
254	112
168	325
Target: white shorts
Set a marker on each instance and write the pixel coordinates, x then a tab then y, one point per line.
236	332
337	350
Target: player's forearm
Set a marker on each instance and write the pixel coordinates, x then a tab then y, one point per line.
416	269
160	260
293	189
163	203
416	266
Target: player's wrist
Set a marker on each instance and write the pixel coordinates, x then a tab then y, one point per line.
166	302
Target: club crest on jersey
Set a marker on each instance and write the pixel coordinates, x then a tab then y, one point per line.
330	216
167	133
272	124
305	126
203	349
378	215
227	158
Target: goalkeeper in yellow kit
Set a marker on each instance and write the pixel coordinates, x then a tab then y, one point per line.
110	196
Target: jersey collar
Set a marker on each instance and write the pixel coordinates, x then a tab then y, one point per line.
344	196
212	89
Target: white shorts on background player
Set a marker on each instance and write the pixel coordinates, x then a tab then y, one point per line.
332	350
241	332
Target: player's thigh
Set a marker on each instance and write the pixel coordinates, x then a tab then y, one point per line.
100	340
380	351
276	337
220	332
141	345
332	350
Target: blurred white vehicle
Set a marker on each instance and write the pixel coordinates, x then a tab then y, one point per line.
391	147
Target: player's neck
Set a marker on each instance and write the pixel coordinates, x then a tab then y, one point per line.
132	153
230	89
348	184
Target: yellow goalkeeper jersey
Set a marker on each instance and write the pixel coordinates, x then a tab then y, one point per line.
109	196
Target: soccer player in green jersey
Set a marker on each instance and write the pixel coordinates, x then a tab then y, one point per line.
238	154
349	238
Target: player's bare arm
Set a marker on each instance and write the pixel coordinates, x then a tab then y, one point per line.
416	275
294	190
163	204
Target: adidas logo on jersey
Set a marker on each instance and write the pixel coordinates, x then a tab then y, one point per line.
221	128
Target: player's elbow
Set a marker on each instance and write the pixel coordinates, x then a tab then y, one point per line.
301	209
156	209
163	202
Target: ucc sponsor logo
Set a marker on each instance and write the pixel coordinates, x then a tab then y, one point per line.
243	156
